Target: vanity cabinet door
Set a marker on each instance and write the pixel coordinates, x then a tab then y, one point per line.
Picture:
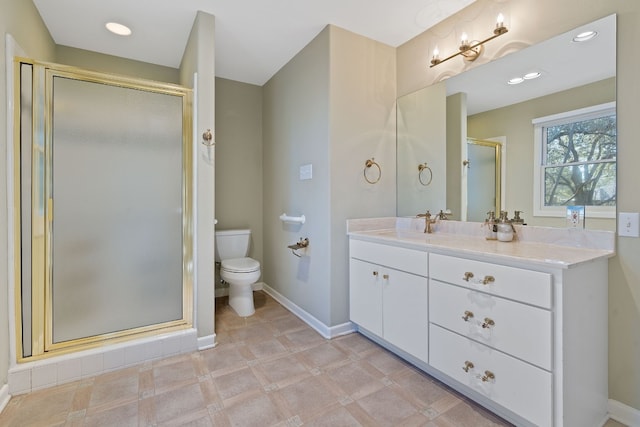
365	295
404	313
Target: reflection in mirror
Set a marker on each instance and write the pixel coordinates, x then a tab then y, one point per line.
572	76
482	171
421	134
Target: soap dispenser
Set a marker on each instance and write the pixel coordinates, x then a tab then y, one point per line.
491	226
505	228
517	219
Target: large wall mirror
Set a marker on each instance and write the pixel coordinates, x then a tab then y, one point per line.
481	105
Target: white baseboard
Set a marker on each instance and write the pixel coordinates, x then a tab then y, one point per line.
624	414
4	396
206	342
327	332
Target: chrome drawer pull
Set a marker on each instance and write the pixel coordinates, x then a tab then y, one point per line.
467	315
488	279
467	365
488	376
488	323
467	275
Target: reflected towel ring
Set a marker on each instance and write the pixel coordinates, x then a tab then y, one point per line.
421	168
367	165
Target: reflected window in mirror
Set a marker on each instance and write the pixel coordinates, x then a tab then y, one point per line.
576	155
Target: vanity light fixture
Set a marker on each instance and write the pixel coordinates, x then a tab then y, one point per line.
471	50
119	29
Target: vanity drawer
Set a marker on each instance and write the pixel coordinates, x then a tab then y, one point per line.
403	259
518	386
520	330
532	287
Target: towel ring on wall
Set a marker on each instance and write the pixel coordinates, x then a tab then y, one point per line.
421	168
367	165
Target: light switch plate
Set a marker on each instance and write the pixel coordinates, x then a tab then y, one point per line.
306	171
629	224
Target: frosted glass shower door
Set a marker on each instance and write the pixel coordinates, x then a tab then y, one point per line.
116	240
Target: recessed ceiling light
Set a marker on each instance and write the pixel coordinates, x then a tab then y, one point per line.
533	75
119	29
515	80
584	36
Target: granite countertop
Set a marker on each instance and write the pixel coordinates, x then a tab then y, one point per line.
533	245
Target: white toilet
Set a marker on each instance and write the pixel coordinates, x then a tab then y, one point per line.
240	271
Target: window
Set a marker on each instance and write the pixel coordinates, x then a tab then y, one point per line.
576	162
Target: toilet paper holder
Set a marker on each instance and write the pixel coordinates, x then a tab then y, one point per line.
301	244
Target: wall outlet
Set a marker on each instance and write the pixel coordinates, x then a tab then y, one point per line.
629	224
306	172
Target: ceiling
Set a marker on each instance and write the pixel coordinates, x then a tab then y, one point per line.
254	38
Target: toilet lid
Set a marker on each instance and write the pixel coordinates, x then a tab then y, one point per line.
240	265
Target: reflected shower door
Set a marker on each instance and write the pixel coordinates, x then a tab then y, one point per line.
482	179
116	208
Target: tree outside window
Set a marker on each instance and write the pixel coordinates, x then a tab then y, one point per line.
578	153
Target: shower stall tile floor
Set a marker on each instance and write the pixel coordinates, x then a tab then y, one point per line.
270	369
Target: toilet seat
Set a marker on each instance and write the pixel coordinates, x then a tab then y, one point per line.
240	265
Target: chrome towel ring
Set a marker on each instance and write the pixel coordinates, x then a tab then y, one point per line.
421	168
367	165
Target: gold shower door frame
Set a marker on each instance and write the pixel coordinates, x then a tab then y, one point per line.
41	223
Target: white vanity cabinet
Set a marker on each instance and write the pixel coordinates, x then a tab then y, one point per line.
523	335
388	294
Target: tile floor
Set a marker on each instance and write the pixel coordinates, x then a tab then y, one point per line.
270	369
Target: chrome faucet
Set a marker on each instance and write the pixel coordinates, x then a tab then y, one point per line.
428	222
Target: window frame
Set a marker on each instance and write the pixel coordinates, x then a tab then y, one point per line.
539	124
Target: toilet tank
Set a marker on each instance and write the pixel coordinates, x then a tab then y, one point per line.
232	244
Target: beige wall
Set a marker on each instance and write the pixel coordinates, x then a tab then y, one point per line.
456	138
296	133
199	58
238	171
514	122
532	21
113	64
362	123
20	19
331	106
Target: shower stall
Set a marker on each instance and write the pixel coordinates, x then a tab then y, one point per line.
103	195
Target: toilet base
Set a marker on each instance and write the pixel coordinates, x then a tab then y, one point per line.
241	299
